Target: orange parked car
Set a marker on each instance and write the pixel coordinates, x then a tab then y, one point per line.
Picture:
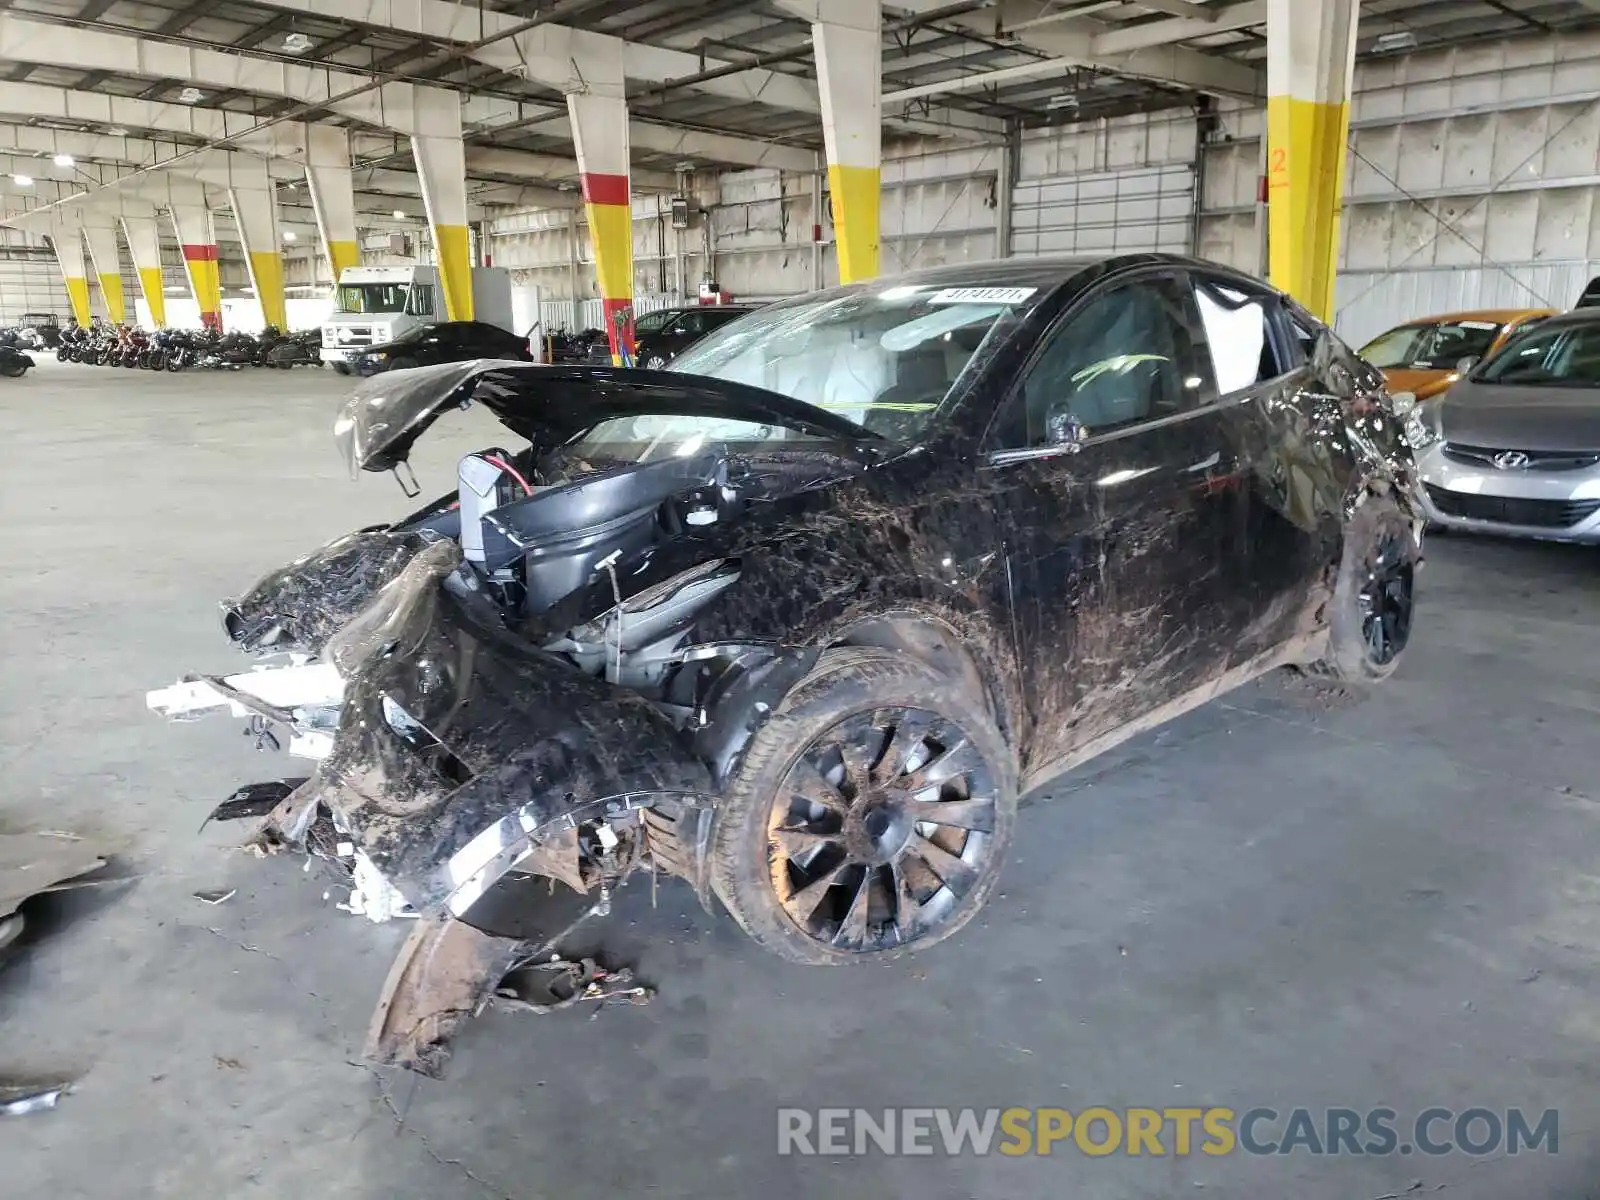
1426	357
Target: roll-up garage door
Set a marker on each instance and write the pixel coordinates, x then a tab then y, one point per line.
1115	212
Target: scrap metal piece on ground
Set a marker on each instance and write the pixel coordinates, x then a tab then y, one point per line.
20	1098
217	896
34	863
547	987
253	800
444	975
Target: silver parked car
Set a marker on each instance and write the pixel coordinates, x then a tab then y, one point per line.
1514	447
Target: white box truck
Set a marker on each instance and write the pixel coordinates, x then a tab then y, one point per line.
373	305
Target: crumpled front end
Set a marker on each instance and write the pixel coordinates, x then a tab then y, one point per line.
450	754
461	749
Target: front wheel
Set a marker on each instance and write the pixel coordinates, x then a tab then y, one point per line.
402	363
870	815
656	362
14	370
342	368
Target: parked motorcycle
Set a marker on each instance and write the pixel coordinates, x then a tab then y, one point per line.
296	350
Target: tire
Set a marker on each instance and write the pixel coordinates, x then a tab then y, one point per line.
402	363
14	371
341	368
825	899
1370	614
656	362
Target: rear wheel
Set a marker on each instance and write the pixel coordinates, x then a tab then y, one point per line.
14	370
870	815
1370	616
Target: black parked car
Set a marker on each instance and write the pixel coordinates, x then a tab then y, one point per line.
445	342
659	341
803	644
14	363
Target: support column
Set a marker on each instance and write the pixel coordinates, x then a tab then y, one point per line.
1311	48
197	235
333	198
102	239
255	212
68	243
848	38
600	134
442	172
144	245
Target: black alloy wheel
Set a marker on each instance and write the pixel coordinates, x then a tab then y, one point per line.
882	826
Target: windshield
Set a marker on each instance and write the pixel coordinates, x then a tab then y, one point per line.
884	359
373	297
1432	346
1548	356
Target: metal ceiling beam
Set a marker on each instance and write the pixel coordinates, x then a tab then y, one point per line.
553	55
1149	50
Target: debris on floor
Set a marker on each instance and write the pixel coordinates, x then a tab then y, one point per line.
547	987
32	864
217	896
19	1098
253	800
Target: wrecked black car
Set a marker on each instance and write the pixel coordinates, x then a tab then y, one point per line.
798	620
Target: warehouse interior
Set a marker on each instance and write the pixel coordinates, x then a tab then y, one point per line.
1288	898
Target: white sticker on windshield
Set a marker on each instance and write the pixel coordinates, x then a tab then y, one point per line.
1477	325
982	295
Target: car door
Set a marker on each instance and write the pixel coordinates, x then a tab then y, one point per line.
682	333
1111	478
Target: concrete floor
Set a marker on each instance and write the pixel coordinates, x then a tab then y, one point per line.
1390	902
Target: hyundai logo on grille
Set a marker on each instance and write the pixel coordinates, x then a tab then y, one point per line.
1512	460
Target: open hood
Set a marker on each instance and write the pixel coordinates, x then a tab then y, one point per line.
385	415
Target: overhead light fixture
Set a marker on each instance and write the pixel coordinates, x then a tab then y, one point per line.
399	215
116	131
296	43
191	95
1065	100
64	160
174	290
1389	43
22	180
289	235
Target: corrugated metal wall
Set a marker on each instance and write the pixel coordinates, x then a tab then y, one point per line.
1473	181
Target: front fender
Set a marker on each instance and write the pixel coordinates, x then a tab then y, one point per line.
460	748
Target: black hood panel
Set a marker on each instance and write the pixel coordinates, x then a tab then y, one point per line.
383	417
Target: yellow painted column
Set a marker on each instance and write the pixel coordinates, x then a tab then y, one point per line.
255	212
144	246
436	145
329	180
849	48
1311	48
197	237
102	241
78	297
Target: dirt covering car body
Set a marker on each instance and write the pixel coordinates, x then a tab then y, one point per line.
798	620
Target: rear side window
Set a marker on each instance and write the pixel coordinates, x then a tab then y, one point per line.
1241	328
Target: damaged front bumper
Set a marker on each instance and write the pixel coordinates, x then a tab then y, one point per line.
448	754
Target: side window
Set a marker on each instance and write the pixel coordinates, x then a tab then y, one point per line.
1124	356
689	322
1303	337
1242	332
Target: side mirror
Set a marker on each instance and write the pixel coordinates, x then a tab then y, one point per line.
1063	430
1467	363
